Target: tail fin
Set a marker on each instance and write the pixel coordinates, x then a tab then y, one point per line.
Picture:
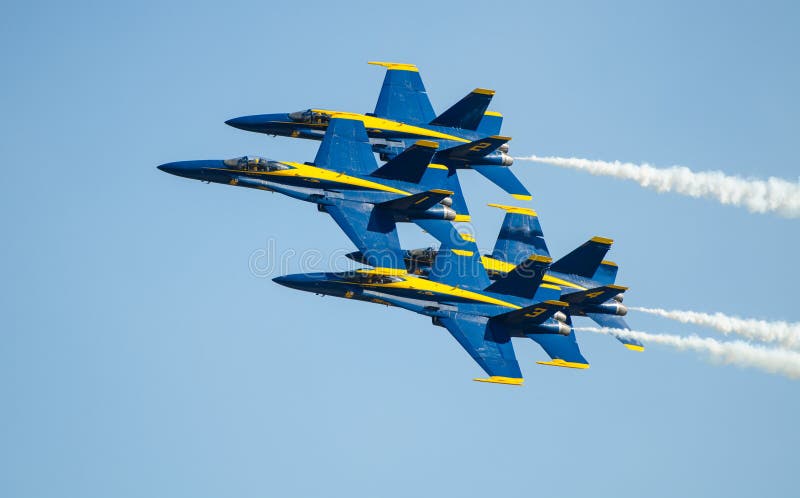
458	261
520	235
586	259
524	280
403	96
491	123
606	273
468	112
410	165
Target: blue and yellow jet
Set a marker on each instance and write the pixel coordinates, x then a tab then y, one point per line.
404	115
482	315
344	180
586	279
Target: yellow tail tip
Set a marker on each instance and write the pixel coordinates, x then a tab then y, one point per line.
397	66
495	379
514	209
635	347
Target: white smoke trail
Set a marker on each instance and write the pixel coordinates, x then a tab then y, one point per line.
778	361
784	333
759	196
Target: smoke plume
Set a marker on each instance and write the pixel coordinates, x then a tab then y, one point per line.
784	333
778	361
773	195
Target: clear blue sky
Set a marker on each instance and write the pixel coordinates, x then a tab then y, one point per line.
141	357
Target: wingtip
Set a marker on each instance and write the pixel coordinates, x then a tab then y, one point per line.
514	209
558	362
635	347
495	379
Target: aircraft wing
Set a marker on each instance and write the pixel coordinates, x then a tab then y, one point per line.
373	232
403	96
346	148
494	353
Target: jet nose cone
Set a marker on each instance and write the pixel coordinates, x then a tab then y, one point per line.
300	281
235	122
191	169
172	168
261	123
282	281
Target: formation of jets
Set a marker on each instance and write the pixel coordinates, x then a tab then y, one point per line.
482	300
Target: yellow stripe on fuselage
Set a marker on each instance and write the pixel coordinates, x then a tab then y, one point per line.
315	173
375	123
425	285
497	265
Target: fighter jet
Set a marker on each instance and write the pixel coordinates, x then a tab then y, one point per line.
458	295
587	280
344	180
404	115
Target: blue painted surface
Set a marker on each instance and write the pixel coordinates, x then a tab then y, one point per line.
143	354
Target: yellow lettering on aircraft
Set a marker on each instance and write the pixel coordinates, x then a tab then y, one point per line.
593	295
536	312
480	146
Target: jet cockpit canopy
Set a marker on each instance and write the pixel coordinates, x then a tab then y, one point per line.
310	116
254	163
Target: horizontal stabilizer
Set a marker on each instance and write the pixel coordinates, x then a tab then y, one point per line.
524	280
520	235
491	123
467	112
616	322
596	295
346	148
503	177
563	350
403	96
417	202
584	260
410	165
473	150
529	316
